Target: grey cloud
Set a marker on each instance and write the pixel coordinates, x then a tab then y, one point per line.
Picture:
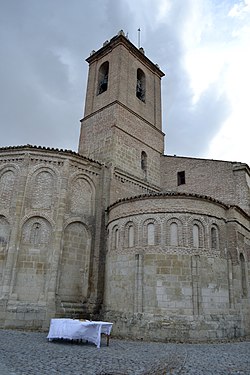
41	100
39	103
192	127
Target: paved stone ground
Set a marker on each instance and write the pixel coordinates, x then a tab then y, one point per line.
29	353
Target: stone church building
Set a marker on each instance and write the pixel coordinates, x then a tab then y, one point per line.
159	245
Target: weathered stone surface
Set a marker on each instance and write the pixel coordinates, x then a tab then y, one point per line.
159	245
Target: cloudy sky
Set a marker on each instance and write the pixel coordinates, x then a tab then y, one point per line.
203	46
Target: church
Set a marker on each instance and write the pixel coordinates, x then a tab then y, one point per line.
158	245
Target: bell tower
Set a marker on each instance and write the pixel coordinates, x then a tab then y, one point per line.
122	118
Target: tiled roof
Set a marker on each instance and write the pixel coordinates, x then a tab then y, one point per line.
177	194
47	149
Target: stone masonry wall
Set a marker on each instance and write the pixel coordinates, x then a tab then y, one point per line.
117	136
126	186
162	282
218	179
48	232
124	59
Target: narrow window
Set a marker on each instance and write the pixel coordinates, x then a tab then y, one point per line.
35	234
174	234
144	161
181	178
141	85
243	275
131	236
151	234
196	230
214	238
103	77
2	240
116	238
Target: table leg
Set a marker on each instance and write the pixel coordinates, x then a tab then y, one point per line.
108	336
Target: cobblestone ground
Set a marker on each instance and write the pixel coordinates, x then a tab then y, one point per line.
29	353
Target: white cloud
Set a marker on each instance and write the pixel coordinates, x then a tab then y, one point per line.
205	66
240	9
163	9
232	141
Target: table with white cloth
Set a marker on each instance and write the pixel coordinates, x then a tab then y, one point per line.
74	329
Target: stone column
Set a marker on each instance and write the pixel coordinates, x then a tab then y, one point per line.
52	278
195	269
138	291
17	213
98	246
230	279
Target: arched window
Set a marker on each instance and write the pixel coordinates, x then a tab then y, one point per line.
116	237
151	233
196	235
141	85
174	234
243	275
103	77
214	238
36	231
144	161
131	236
35	234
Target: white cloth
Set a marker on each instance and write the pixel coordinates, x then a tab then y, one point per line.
74	329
